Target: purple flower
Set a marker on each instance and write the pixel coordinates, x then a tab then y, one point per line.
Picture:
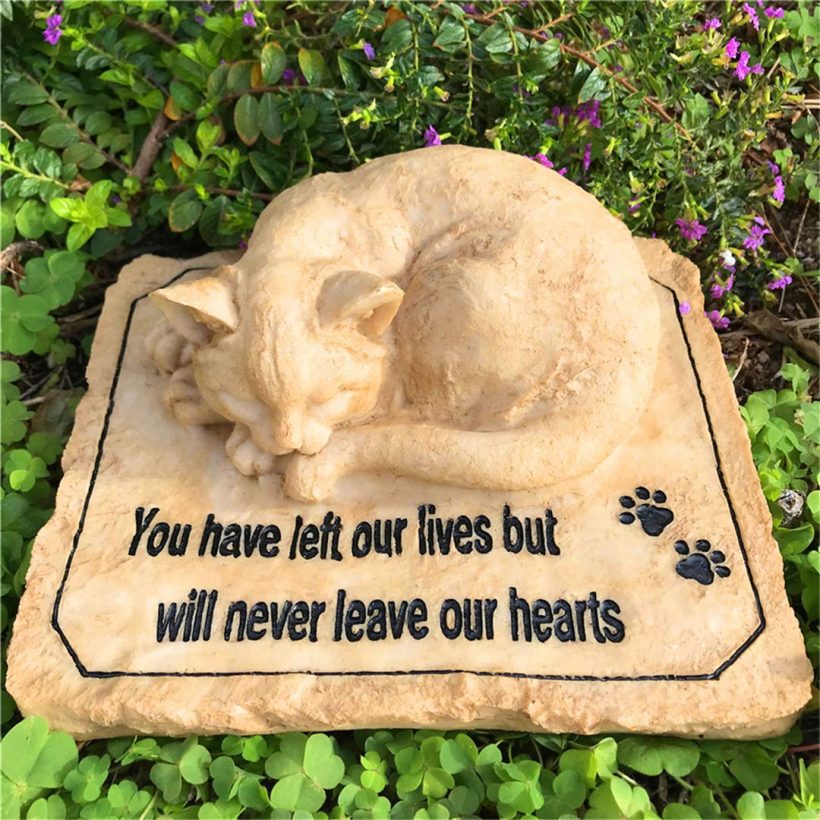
773	167
773	11
431	137
198	18
53	32
589	112
634	205
718	322
368	50
288	76
207	7
684	308
718	290
248	19
757	233
692	231
779	193
543	159
753	18
731	48
243	245
587	160
469	8
743	70
712	24
557	113
780	284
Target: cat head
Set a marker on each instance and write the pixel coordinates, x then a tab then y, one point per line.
289	360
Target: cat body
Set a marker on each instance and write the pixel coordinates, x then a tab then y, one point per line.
453	314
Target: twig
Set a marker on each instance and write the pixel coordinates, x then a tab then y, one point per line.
808	747
777	238
782	230
743	355
796	242
152	30
310	89
10	253
11	131
151	146
651	102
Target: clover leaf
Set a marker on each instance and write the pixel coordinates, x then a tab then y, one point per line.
32	760
653	755
304	768
86	781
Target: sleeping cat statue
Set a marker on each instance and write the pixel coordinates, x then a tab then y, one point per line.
455	315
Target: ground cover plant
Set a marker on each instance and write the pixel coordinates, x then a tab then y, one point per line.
165	127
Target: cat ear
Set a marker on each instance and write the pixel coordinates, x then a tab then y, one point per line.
199	307
364	299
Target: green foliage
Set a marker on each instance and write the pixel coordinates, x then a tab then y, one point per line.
165	123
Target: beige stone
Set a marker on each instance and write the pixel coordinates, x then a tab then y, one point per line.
475	356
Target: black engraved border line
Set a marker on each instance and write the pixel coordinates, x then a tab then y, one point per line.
87	673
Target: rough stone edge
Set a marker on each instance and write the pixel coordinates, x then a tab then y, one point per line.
91	708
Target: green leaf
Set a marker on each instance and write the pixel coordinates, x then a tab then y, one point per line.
679	811
23	92
320	762
458	755
754	769
207	136
571	788
450	35
31	759
97	195
166	777
313	66
653	755
98	122
59	135
495	39
581	761
29	219
184	211
594	84
750	806
194	763
184	96
436	783
273	61
246	119
185	152
297	791
77	236
270	120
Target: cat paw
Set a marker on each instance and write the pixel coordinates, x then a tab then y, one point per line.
310	478
182	397
168	349
244	454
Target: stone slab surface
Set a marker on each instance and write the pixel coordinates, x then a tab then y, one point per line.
621	618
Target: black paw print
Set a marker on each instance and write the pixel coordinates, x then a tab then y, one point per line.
698	566
654	519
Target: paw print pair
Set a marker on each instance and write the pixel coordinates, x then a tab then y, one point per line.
703	564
